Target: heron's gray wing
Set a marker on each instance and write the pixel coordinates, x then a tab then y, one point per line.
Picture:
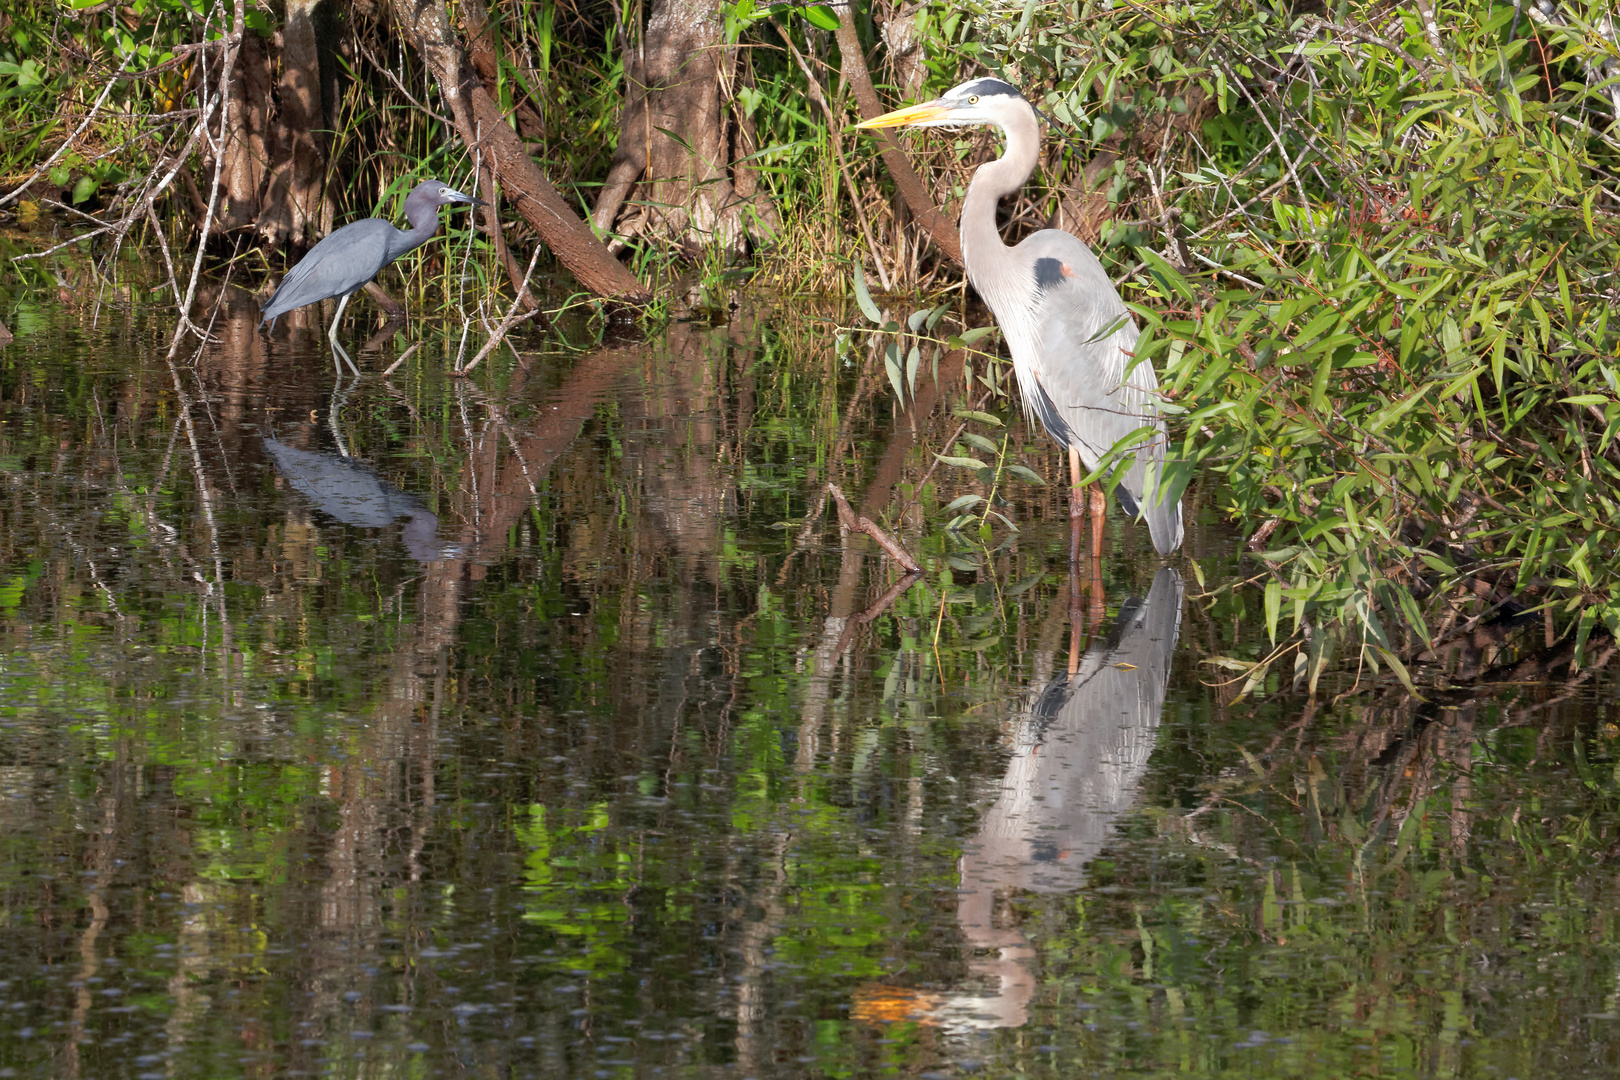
338	265
1081	753
1084	341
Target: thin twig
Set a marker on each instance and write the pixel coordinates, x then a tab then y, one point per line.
238	20
512	318
404	356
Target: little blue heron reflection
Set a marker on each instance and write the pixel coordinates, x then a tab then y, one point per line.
354	495
342	263
1070	335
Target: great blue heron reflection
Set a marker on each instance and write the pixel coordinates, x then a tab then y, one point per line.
1078	756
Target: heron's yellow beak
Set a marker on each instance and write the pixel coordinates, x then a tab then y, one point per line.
915	114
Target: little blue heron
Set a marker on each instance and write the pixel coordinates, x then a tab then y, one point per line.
1070	335
342	263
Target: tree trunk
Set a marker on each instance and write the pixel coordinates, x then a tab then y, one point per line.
485	132
242	176
676	140
293	201
275	162
904	49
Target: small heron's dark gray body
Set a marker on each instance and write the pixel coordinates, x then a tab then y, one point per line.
342	263
354	495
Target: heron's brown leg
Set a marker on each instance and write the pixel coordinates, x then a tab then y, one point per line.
1077	506
1074	618
1099	511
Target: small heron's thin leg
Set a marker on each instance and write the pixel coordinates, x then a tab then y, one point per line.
331	335
339	397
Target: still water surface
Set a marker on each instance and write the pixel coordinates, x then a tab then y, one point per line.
523	727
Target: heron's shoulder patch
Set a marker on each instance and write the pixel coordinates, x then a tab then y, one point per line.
1050	273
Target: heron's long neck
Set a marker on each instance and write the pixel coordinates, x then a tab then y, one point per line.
983	252
423	226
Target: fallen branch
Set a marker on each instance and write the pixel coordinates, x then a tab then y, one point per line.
482	126
498	334
847	518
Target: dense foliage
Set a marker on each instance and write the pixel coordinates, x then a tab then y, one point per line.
1375	269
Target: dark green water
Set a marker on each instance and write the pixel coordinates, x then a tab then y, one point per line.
518	727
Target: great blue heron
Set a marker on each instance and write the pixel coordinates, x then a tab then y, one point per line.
1070	335
342	263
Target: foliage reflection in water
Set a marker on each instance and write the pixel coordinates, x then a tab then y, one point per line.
606	773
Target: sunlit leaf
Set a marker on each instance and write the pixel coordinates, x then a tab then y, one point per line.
981	417
863	298
820	16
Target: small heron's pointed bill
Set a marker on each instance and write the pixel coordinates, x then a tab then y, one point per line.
914	114
457	196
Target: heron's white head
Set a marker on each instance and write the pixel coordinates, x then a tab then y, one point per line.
977	101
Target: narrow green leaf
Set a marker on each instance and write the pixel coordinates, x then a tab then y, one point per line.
1400	671
981	417
897	378
968	337
1167	275
864	298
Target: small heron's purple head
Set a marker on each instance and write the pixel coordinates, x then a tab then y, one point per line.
432	194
